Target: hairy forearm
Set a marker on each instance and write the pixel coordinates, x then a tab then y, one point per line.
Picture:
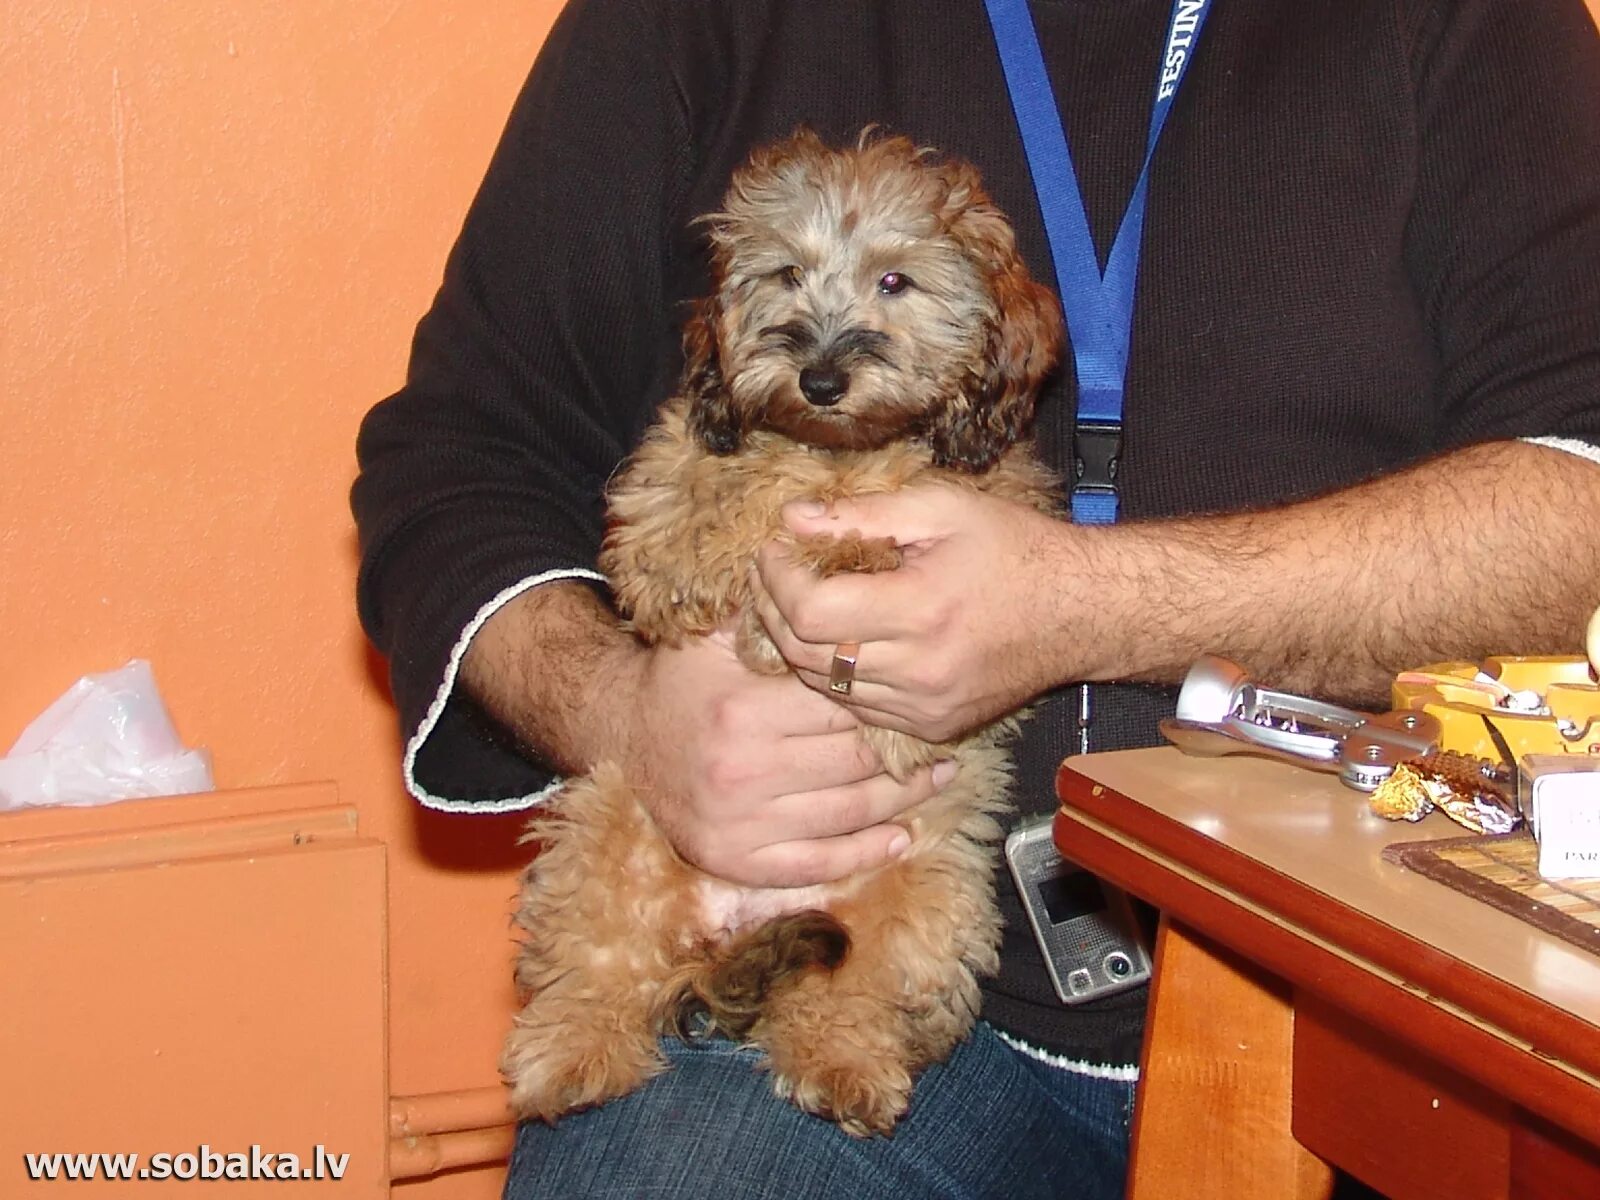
1492	549
550	666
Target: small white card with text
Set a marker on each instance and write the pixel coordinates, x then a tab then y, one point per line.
1561	797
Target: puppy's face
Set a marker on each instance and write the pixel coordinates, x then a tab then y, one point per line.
864	297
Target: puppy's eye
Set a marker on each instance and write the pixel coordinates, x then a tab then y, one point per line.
789	276
894	283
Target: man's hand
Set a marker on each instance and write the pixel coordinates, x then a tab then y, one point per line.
757	779
963	632
753	778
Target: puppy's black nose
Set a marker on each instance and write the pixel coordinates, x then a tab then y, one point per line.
823	386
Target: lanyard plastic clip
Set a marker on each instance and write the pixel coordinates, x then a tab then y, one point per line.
1096	454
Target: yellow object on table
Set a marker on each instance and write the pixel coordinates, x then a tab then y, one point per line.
1548	705
1491	717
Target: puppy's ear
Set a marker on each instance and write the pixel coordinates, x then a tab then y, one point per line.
1022	343
712	416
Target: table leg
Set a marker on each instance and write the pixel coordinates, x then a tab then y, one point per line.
1215	1091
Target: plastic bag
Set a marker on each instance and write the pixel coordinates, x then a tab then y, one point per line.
107	738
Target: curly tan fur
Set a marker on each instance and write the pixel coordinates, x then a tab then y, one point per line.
888	268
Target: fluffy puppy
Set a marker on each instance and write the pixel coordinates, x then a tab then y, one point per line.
871	326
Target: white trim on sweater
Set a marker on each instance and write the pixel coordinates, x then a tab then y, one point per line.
1568	445
1126	1074
447	686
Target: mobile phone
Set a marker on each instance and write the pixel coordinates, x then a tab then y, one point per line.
1091	940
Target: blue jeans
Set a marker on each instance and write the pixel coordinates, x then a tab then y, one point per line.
990	1122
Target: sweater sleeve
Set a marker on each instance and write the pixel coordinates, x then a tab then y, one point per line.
1504	240
483	476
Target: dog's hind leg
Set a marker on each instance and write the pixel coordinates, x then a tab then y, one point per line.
848	1044
601	906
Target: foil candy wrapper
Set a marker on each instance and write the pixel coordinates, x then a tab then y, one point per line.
1465	789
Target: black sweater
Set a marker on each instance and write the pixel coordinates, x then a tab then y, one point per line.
1373	234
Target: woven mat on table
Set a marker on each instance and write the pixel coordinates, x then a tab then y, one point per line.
1502	870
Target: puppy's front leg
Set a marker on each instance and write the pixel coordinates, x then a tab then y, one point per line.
828	555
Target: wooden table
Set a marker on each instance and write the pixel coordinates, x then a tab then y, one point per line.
1314	1004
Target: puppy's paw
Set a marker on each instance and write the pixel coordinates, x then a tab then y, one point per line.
862	1097
828	555
557	1067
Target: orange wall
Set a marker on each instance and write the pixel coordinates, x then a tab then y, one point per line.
219	222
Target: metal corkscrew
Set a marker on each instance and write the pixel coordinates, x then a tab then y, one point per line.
1220	711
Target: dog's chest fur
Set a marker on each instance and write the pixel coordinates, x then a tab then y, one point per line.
685	524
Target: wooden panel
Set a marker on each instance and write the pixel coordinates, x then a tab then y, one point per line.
1547	1164
1217	1074
1394	1119
219	1002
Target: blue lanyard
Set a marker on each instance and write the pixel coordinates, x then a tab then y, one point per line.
1099	308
